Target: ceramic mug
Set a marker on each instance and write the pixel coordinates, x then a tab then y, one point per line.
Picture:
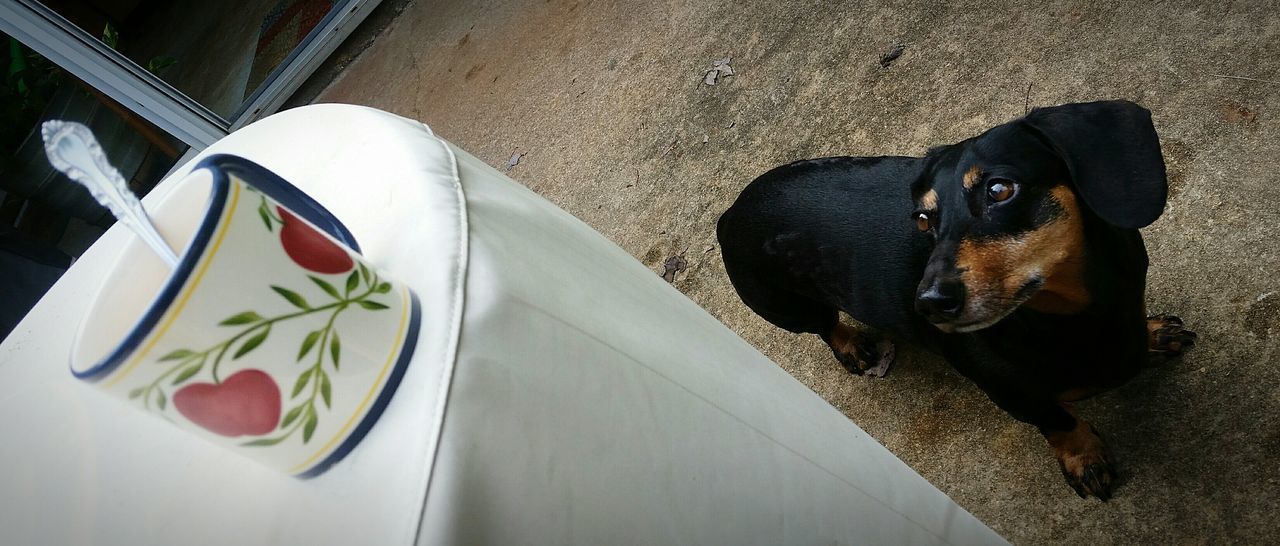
273	336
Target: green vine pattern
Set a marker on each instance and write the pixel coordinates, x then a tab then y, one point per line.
264	211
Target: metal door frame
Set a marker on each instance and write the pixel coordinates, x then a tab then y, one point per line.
145	94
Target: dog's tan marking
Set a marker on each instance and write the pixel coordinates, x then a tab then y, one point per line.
994	271
1155	327
1167	338
1064	291
1072	446
929	201
972	177
845	339
860	352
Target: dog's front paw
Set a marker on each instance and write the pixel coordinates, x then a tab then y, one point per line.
862	353
1167	339
1089	474
1084	462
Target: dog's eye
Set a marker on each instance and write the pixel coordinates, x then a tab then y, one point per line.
923	222
1000	190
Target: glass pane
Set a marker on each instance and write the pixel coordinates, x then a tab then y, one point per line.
47	220
218	53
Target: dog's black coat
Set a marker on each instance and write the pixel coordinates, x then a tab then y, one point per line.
812	237
797	245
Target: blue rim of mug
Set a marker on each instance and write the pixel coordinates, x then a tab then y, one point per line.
263	180
282	192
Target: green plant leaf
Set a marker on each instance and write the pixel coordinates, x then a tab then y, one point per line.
372	305
309	342
110	36
335	349
160	399
328	288
252	343
177	355
247	317
266	218
310	427
293	297
301	383
353	280
160	62
264	442
137	392
364	272
187	373
292	415
326	391
383	288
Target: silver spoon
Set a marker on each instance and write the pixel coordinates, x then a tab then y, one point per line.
73	150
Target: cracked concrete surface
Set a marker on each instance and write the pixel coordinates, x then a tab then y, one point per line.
608	100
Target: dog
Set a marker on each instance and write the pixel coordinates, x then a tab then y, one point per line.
1014	254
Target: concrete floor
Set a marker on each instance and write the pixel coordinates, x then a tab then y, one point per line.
608	101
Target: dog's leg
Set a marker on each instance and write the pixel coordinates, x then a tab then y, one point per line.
1083	458
1166	339
1081	454
860	352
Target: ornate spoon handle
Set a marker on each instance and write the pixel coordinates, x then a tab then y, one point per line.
73	150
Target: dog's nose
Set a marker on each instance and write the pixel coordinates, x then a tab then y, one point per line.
942	301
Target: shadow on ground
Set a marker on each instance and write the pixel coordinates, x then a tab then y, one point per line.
608	102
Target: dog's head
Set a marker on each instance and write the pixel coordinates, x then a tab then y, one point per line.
1005	211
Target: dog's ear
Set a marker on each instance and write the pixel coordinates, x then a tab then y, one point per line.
1113	153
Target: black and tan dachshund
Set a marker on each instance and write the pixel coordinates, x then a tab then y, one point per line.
1014	254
